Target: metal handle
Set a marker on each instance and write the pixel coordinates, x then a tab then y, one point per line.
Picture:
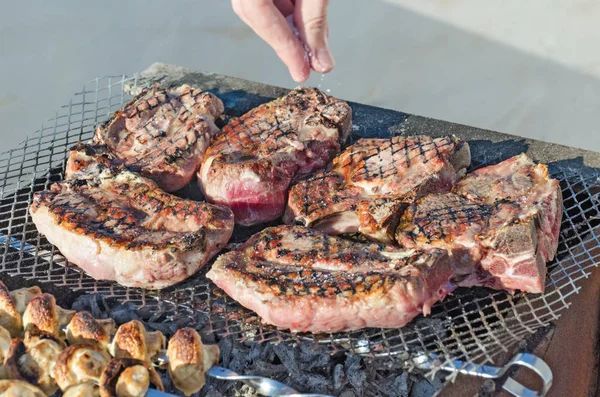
265	386
527	360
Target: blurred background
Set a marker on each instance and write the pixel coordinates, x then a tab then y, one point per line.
525	68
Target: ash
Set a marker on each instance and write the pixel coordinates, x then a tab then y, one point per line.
305	367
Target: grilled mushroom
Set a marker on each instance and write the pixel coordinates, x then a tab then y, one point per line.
189	360
18	388
44	314
88	389
84	328
80	364
4	345
34	363
9	316
133	341
34	337
128	377
23	296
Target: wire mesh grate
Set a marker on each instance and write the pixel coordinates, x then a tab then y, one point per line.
472	324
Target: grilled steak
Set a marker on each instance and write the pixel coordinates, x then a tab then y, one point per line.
304	280
163	133
117	225
371	181
250	166
500	223
520	180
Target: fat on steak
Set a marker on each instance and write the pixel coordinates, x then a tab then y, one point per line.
306	281
371	182
500	223
163	133
117	225
251	164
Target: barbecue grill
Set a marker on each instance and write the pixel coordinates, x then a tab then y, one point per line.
474	325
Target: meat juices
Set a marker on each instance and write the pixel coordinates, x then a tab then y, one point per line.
251	164
500	223
117	225
372	182
163	133
304	280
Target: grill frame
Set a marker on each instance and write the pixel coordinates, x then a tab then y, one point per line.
475	325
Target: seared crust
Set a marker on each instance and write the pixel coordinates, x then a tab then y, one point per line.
10	318
111	376
34	362
78	364
133	341
33	336
305	280
250	165
117	225
43	314
84	328
501	221
163	133
189	360
17	350
121	209
372	181
185	346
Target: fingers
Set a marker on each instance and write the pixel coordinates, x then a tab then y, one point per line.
285	6
267	20
311	19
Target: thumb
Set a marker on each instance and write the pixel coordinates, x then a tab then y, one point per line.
310	17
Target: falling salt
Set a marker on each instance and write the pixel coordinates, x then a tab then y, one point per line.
307	52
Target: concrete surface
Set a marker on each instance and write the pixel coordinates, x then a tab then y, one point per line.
523	68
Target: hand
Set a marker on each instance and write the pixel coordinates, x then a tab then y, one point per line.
310	50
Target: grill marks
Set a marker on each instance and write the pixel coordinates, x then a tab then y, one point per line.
438	217
371	179
163	133
124	209
304	280
118	225
501	221
250	165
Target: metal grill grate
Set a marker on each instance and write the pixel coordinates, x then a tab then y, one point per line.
473	324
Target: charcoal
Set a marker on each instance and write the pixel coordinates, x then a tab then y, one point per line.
210	391
313	382
308	368
355	373
422	388
225	348
395	386
339	378
255	352
312	358
268	353
287	356
94	304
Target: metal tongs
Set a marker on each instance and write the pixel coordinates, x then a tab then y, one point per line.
534	363
270	387
264	386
